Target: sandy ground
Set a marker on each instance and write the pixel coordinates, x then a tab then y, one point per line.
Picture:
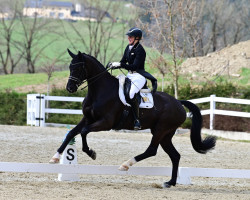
37	145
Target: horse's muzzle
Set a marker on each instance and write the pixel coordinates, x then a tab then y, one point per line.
71	88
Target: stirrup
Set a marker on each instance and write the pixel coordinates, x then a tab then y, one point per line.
137	125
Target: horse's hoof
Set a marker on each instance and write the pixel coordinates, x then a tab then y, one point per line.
168	184
123	168
93	154
54	161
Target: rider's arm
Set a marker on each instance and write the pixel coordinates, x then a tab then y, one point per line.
138	61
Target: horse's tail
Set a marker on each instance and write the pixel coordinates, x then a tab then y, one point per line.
199	145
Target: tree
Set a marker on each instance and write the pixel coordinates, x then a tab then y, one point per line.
166	33
34	31
100	29
227	22
190	12
10	54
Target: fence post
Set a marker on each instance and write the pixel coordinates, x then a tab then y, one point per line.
42	110
212	108
33	109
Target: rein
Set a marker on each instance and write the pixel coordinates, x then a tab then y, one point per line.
97	77
79	82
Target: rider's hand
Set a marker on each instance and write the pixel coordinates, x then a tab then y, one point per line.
115	65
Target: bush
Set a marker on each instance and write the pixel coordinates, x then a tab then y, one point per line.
13	108
13	105
220	90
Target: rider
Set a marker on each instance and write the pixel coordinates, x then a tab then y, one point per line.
133	60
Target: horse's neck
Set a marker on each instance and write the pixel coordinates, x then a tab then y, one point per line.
97	85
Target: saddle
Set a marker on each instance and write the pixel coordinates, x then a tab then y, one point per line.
145	95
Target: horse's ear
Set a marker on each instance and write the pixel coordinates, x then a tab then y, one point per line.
71	54
80	55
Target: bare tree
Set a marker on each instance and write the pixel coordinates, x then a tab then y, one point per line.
166	31
97	39
49	68
191	28
158	61
34	31
228	22
10	54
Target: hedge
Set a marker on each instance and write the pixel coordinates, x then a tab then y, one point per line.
13	104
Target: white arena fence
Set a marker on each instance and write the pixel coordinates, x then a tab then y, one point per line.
36	108
184	173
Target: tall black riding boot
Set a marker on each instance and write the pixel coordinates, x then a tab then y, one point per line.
135	109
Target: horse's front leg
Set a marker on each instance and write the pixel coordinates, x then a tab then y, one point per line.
100	125
76	130
85	148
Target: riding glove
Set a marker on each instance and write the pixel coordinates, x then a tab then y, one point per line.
115	65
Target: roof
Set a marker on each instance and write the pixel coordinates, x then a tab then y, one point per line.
33	4
41	3
58	4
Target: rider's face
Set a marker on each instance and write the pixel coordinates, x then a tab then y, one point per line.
131	39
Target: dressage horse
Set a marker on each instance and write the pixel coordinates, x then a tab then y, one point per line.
102	110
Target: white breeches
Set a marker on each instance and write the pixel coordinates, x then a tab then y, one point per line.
137	82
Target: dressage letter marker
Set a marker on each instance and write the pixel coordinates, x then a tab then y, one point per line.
69	157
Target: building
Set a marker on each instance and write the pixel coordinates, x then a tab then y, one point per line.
48	9
56	10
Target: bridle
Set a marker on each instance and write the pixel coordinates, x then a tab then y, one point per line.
80	82
77	80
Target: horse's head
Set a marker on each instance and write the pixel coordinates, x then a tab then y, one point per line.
77	72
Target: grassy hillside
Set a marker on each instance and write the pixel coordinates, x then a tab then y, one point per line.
15	81
59	43
38	82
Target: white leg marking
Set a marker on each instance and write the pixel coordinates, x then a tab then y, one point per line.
55	159
125	166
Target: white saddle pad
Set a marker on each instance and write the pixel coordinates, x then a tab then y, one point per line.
147	98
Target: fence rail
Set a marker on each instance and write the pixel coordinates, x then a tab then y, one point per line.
36	108
184	173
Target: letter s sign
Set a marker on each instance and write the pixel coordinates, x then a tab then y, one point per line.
70	154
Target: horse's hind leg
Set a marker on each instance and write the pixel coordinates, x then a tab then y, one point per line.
150	151
169	148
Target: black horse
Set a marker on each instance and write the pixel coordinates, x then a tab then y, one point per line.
102	110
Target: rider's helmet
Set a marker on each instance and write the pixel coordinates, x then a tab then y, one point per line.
136	32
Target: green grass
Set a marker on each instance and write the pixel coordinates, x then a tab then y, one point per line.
245	76
13	81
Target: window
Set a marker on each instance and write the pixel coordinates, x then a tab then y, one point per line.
61	15
52	14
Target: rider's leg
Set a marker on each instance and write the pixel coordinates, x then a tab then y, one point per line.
137	82
135	109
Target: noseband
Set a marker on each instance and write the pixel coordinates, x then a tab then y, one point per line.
77	80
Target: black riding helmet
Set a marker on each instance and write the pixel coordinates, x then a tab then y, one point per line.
136	32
